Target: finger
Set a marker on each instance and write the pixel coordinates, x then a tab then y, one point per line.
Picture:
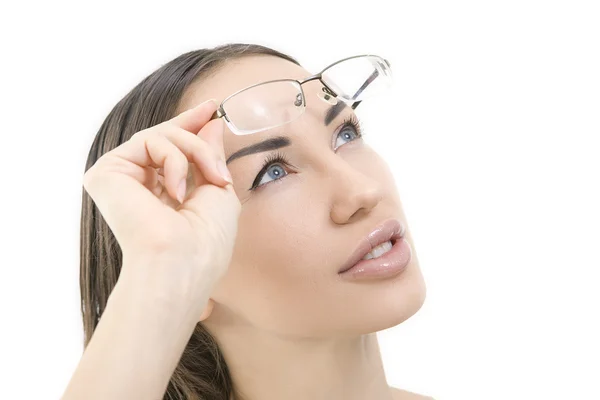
137	151
204	155
113	182
154	150
212	133
123	202
195	118
175	164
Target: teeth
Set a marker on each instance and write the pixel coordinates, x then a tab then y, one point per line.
379	250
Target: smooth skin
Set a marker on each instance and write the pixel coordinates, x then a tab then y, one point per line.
288	325
266	288
172	253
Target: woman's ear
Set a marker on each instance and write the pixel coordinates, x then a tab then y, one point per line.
207	310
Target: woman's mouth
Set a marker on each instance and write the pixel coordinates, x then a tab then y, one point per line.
374	245
379	250
389	264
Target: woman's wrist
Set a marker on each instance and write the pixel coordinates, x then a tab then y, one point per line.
148	296
147	288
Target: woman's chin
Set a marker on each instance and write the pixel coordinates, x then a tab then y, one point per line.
388	305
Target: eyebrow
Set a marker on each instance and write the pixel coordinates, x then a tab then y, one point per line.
266	145
333	112
282	141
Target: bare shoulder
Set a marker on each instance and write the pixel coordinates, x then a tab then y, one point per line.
400	394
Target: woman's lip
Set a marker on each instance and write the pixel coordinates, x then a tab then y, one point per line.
390	229
388	265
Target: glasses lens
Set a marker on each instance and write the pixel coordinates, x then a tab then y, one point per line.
265	106
358	78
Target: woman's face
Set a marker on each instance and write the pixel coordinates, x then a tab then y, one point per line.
300	225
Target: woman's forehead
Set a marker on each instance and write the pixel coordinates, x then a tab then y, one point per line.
237	74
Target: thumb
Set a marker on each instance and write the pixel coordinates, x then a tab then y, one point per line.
213	133
211	204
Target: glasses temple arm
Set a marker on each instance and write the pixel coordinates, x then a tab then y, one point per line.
371	78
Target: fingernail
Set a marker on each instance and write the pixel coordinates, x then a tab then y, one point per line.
222	168
181	191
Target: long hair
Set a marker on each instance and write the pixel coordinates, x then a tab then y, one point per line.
201	373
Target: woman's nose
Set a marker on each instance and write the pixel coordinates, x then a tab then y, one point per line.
353	192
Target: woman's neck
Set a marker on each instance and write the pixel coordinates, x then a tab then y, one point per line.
264	367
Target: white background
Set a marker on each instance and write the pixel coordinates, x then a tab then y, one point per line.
492	134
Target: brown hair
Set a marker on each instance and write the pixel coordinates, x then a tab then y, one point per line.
201	373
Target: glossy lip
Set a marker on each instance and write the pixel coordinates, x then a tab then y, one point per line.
390	229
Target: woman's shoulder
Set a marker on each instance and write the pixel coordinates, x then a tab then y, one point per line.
400	394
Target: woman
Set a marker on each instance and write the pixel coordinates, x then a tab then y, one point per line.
237	291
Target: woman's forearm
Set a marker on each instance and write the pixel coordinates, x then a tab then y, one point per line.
134	349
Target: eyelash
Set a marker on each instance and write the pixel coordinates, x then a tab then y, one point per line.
351	121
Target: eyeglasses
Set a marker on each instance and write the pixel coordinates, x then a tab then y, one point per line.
274	103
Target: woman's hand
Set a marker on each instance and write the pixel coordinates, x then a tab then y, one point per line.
176	243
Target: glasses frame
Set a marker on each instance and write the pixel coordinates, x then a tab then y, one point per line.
220	112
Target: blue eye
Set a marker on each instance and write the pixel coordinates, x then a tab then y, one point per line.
351	130
347	133
273	170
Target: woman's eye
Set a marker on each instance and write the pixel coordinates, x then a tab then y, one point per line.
349	133
273	171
